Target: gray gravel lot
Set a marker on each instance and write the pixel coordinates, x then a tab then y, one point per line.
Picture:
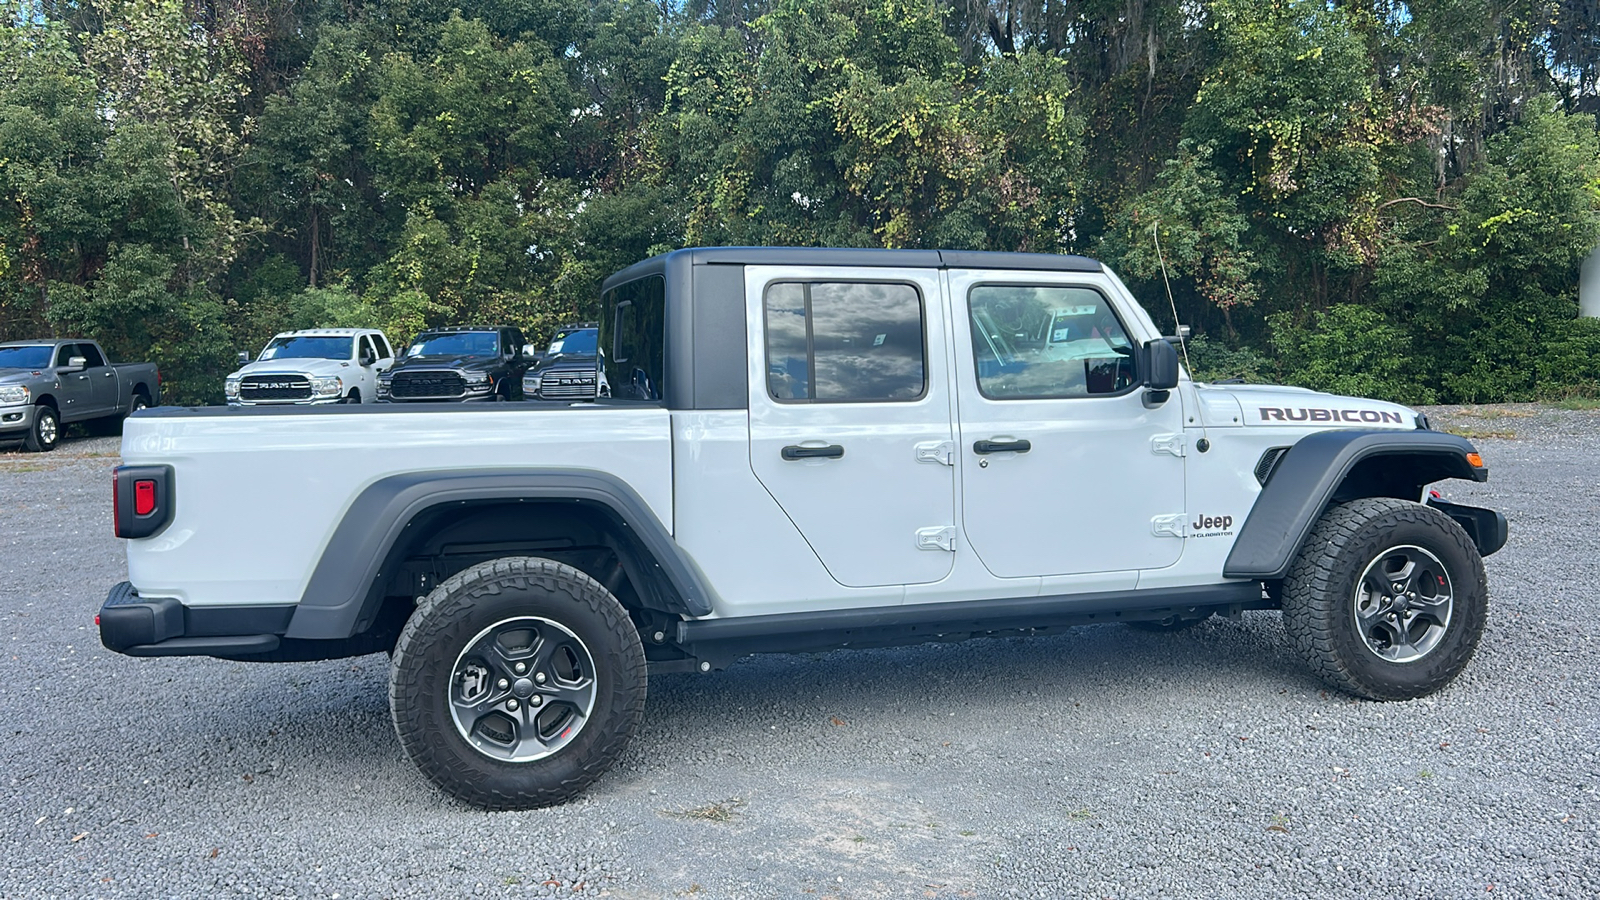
1100	763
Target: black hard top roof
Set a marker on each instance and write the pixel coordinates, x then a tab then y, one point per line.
839	256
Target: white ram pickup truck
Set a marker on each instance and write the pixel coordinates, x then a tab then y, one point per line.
312	367
805	449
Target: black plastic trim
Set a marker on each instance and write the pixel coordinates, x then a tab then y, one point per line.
1488	529
721	377
129	524
924	621
343	585
1308	476
162	626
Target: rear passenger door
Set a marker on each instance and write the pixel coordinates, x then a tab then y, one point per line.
102	380
850	423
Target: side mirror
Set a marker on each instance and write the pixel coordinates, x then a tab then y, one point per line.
368	359
1160	365
244	358
75	364
529	351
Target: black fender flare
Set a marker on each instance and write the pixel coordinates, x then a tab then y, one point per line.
340	588
1310	474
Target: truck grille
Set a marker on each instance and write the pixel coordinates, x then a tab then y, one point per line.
567	384
262	388
426	386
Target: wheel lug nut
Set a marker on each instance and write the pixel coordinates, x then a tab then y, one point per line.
503	684
535	700
521	667
512	703
539	677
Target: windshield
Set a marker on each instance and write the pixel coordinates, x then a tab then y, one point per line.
34	357
583	340
309	348
460	343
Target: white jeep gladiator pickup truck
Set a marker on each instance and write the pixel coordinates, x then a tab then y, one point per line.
805	449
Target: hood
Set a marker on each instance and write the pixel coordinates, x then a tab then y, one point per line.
567	361
20	374
304	366
470	363
1278	406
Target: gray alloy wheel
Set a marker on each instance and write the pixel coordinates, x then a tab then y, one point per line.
46	430
522	689
1402	604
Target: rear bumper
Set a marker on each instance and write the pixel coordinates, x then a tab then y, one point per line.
161	626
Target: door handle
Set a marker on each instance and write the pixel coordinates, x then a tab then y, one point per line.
795	451
108	373
1019	446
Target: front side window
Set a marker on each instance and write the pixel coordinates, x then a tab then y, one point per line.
65	354
302	347
845	342
1032	342
382	346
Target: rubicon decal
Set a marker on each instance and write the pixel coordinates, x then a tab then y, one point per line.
1280	414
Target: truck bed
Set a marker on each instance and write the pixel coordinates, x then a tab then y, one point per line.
251	469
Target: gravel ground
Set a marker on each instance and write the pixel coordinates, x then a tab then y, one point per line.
1100	763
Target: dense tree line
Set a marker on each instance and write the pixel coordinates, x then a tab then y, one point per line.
1379	197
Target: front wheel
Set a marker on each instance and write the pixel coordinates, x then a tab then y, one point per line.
517	683
46	430
1387	599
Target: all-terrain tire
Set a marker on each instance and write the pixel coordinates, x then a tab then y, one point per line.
46	430
565	605
1324	592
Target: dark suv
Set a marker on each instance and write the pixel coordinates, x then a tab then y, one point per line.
457	364
570	369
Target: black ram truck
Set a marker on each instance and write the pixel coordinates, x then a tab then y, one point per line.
458	364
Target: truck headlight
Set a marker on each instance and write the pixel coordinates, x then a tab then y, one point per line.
327	386
530	383
14	393
230	387
475	377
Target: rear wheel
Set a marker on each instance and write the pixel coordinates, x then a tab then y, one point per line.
517	683
1387	600
46	430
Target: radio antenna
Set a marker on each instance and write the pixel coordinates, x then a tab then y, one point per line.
1177	326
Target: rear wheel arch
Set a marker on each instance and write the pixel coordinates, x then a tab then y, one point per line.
404	524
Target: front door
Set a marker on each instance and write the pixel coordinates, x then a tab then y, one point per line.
850	417
1064	469
76	393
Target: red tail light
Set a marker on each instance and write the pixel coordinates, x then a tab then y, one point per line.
144	497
